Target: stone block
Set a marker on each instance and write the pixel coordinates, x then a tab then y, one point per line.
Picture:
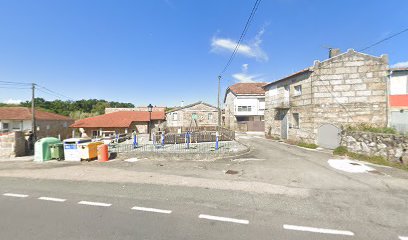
359	87
353	81
341	87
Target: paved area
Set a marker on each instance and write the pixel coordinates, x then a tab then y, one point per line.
278	192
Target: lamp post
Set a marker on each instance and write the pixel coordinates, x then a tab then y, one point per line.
149	129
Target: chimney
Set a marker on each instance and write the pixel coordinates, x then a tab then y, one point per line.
182	104
333	52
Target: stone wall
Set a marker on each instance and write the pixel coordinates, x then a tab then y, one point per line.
230	120
54	128
348	89
12	144
184	116
390	146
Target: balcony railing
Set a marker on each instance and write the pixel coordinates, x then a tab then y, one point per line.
281	103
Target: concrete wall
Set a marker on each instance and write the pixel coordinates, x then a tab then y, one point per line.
45	128
12	144
399	83
184	116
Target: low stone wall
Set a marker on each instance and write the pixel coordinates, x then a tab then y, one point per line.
390	146
12	144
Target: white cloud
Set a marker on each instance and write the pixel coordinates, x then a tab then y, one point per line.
400	65
13	101
252	49
245	77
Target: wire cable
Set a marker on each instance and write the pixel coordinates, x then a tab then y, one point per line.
383	40
51	92
251	16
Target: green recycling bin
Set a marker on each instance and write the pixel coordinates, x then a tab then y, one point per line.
42	150
57	151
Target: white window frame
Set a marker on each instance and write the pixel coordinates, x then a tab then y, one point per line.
174	116
297	90
210	116
244	108
294	121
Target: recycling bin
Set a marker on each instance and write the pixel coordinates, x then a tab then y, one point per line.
42	148
89	151
57	151
71	149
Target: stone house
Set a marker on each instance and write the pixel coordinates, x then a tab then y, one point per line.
314	104
120	122
398	99
199	114
48	124
244	105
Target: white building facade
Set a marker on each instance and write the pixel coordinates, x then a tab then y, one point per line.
244	106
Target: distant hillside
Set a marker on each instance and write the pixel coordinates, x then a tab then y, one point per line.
75	109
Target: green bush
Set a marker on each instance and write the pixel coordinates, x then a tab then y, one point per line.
307	145
341	150
365	127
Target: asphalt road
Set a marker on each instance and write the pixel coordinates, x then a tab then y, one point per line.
342	206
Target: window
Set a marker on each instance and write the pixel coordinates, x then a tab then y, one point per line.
16	125
244	108
296	120
65	125
298	90
5	127
175	117
210	116
194	116
94	133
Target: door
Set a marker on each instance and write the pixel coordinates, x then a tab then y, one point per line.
328	136
286	94
284	124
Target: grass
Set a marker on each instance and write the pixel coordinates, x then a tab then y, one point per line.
307	145
365	127
342	151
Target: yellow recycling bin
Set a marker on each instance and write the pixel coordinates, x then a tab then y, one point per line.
89	151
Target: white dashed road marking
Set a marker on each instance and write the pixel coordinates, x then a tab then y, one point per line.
15	195
403	238
317	230
151	210
224	219
52	199
99	204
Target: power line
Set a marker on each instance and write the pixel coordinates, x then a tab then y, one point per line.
383	40
51	92
254	8
14	83
8	87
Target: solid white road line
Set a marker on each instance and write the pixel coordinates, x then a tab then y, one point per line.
403	238
99	204
151	210
52	199
15	195
317	230
224	219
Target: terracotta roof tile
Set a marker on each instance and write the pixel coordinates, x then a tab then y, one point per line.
248	88
23	113
117	119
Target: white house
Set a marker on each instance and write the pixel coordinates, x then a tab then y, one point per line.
244	105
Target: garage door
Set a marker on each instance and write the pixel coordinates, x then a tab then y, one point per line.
328	136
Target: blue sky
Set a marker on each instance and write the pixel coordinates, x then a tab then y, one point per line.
165	51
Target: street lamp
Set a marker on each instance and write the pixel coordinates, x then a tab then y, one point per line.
149	109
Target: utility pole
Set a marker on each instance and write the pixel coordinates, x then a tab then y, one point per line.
33	126
219	109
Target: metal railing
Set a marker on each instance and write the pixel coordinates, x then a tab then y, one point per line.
205	147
